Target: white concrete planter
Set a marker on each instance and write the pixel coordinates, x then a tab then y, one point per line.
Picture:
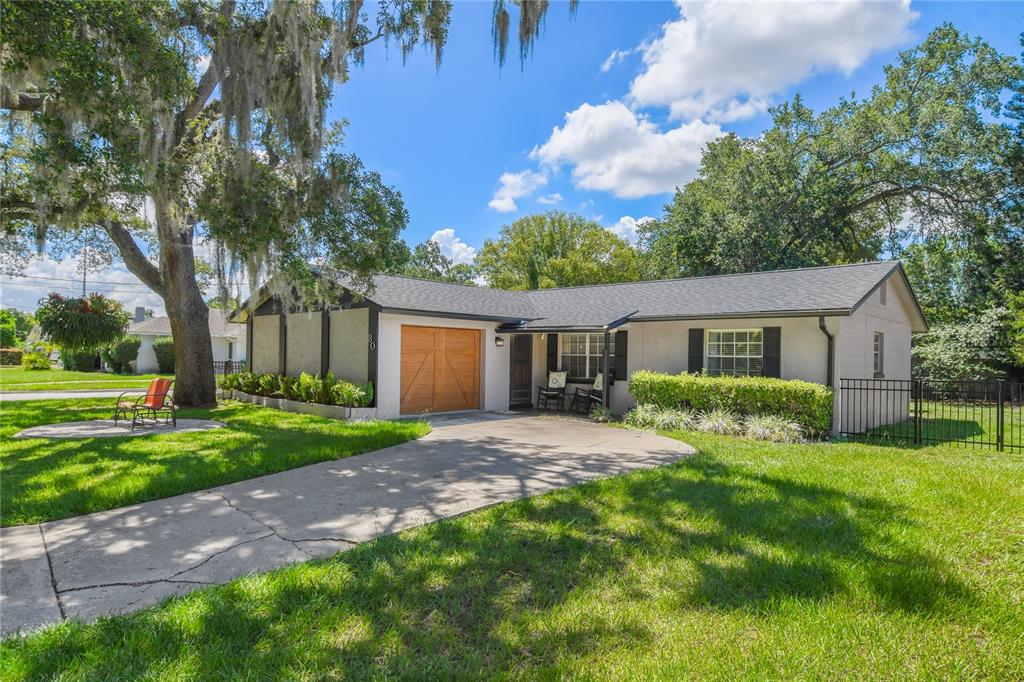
298	407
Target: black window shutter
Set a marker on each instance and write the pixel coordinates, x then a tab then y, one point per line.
552	352
695	359
621	348
772	366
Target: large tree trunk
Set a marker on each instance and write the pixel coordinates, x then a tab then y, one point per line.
194	382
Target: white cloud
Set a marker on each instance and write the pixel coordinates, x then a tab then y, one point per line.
550	199
514	186
614	58
627	227
615	149
453	247
62	276
723	60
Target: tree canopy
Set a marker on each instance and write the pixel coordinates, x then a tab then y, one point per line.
427	262
928	167
215	113
556	249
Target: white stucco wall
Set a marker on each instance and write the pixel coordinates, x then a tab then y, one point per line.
493	372
664	347
855	359
145	361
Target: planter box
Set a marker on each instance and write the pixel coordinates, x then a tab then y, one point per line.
299	407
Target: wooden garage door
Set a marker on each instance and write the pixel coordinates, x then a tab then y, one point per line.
440	369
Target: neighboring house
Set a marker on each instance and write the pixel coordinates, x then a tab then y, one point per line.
228	338
433	347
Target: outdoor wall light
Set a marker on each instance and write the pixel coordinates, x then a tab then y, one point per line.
499	342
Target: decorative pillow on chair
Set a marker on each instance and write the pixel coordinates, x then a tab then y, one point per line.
599	382
557	379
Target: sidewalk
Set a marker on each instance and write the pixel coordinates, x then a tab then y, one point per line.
71	393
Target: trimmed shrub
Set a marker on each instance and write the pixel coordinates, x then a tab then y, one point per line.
80	361
121	354
10	356
803	402
163	348
35	361
722	422
771	427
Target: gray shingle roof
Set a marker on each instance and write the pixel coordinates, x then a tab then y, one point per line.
837	289
161	326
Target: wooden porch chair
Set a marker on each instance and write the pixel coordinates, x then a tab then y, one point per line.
584	400
554	391
157	401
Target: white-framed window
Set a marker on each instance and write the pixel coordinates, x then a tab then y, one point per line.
738	352
582	354
878	355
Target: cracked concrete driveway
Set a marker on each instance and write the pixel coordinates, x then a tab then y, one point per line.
125	559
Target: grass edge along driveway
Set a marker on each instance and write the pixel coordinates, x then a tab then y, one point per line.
748	560
44	480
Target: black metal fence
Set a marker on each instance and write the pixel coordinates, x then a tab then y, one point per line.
222	367
985	413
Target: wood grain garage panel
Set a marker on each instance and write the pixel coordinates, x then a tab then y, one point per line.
440	369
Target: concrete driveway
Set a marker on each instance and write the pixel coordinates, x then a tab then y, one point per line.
128	558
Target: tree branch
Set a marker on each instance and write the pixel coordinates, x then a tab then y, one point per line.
19	101
207	84
133	258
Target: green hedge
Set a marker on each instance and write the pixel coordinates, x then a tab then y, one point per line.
805	403
80	361
163	348
10	356
121	354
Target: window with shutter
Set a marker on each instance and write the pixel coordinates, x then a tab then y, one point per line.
737	352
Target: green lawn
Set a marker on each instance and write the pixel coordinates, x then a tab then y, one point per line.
18	379
747	561
53	479
974	424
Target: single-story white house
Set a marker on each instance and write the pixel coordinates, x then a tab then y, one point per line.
228	338
434	347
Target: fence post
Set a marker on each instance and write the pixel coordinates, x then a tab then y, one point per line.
1000	415
917	388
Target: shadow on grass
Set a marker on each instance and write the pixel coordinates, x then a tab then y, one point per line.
526	585
52	479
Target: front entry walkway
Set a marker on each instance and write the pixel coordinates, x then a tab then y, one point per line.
128	558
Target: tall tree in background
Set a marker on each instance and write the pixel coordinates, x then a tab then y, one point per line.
427	262
927	167
111	105
556	249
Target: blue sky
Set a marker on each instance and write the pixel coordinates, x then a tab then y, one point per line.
472	147
444	137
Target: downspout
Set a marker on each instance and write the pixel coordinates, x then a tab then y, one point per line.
830	359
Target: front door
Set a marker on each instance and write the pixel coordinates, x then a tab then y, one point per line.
521	374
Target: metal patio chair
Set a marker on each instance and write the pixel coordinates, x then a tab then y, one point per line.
157	401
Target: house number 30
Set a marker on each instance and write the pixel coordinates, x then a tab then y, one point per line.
373	345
